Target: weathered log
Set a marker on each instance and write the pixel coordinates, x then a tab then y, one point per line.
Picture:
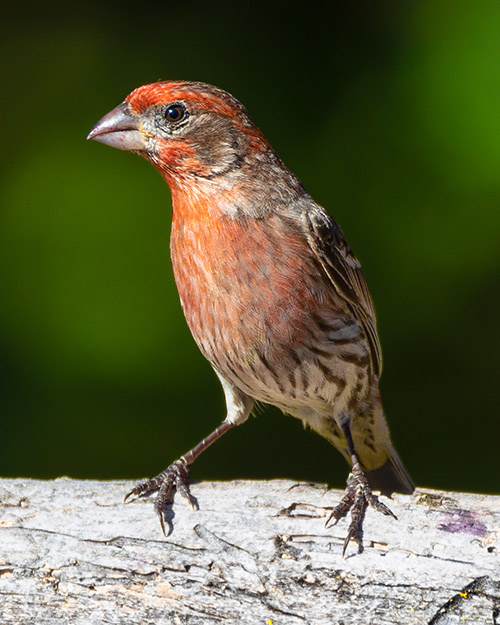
255	553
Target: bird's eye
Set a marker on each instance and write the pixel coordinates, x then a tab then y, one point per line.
175	113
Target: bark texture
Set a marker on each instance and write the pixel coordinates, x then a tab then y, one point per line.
255	553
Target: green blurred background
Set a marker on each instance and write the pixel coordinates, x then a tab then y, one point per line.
389	112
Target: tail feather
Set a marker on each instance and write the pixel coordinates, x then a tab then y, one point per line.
391	476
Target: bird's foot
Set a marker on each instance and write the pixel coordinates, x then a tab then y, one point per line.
174	479
357	497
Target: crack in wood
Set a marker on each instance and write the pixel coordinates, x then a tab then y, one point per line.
484	587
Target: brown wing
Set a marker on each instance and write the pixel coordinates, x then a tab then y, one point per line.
342	267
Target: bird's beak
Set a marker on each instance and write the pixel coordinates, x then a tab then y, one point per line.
119	129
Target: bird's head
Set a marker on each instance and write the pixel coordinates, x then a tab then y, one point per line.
186	129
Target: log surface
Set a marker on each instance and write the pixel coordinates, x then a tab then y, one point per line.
255	553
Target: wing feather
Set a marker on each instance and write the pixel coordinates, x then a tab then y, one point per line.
328	243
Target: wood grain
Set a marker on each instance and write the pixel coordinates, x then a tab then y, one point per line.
255	553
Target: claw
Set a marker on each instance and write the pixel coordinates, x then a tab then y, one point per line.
127	497
174	479
183	489
357	498
350	534
159	512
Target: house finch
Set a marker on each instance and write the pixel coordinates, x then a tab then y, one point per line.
273	295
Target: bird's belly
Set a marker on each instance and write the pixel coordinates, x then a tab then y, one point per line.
312	386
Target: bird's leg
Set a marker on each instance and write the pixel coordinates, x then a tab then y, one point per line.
357	496
175	478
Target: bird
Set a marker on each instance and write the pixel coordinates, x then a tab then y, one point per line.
272	293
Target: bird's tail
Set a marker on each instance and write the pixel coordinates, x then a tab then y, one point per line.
391	476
